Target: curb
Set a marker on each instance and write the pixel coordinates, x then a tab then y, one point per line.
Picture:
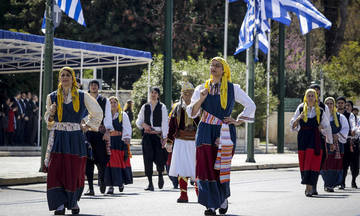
137	174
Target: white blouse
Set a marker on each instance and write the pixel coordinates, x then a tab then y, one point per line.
126	125
325	123
164	123
95	112
344	128
240	96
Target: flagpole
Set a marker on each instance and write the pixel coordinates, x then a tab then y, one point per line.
281	75
226	28
268	88
48	74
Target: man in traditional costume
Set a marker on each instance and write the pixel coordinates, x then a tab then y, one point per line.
99	140
153	121
181	139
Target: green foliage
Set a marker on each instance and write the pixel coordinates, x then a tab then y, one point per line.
345	69
198	25
197	73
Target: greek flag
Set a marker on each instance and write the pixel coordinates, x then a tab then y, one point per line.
309	17
260	10
72	8
247	30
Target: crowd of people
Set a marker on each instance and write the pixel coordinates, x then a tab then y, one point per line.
328	141
195	141
19	119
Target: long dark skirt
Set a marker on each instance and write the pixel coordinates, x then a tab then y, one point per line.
118	170
332	168
66	171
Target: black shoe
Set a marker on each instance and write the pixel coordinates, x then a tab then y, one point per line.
223	210
102	188
75	211
328	189
60	212
353	184
161	182
314	193
342	187
150	187
182	200
209	212
176	186
90	193
121	189
110	190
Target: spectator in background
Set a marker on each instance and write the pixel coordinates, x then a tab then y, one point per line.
35	120
29	113
10	130
128	109
20	115
3	122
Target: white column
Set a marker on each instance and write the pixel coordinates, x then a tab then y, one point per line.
268	88
117	76
149	67
94	73
81	66
40	95
226	28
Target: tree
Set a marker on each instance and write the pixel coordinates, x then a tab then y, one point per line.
337	12
197	72
345	69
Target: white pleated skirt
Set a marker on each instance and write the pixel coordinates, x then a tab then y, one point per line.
183	159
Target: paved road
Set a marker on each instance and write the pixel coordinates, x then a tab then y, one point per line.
261	192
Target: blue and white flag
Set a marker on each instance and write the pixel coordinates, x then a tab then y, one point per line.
259	11
274	10
246	34
56	18
72	8
309	17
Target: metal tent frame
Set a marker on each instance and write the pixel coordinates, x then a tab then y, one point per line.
23	53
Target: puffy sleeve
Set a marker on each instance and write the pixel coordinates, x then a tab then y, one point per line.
327	111
47	112
352	122
165	121
241	97
296	115
195	97
127	130
140	118
326	128
95	115
344	128
107	118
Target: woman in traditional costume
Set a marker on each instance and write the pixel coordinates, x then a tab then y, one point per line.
118	169
309	120
216	135
332	168
66	154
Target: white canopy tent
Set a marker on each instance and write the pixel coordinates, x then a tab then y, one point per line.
23	53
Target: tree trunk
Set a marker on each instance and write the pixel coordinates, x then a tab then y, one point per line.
335	36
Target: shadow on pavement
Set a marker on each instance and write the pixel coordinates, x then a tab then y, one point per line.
23	189
332	196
